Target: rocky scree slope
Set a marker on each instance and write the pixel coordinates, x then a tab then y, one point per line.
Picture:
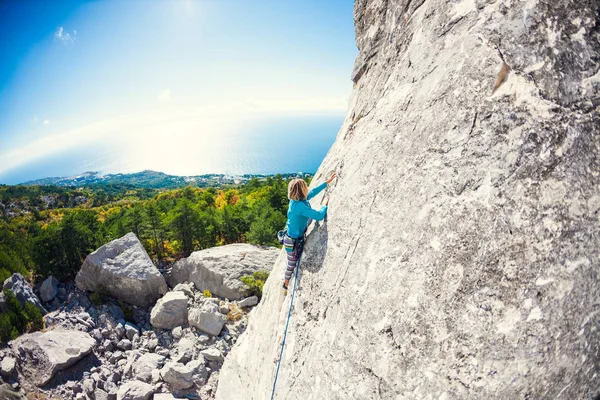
460	255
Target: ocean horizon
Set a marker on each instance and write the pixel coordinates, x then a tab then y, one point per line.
262	147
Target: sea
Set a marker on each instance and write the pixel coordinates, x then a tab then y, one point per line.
269	146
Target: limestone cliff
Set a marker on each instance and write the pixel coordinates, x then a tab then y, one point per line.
460	256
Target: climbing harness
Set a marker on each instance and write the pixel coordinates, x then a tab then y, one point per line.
289	314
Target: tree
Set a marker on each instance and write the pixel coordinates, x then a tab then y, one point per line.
156	227
184	224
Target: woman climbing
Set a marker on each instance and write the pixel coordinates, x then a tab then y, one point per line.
299	212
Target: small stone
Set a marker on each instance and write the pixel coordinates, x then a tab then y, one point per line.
88	386
135	390
8	367
131	330
212	354
49	289
248	302
224	309
152	344
120	329
124	344
100	394
177	332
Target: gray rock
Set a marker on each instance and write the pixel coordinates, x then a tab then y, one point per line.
152	344
212	354
135	390
88	386
224	309
120	329
22	291
124	269
144	365
8	367
3	303
131	330
248	302
207	318
170	311
124	344
177	332
186	288
49	289
219	269
459	258
184	351
43	354
100	394
180	376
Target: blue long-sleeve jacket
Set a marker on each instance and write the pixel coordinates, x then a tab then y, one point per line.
299	212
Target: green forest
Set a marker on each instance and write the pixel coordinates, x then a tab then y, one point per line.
49	230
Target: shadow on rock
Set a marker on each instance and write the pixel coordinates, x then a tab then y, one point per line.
315	248
75	373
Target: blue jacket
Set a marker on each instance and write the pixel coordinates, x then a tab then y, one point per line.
299	211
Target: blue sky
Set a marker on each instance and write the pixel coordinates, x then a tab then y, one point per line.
75	73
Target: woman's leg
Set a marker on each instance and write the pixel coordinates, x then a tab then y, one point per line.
292	257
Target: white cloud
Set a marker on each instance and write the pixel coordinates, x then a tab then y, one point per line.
46	121
165	95
65	37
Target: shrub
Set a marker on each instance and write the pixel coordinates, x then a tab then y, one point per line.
18	319
207	293
100	296
255	283
235	313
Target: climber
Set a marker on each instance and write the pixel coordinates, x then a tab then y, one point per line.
299	212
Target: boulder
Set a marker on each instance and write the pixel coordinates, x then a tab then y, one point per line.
49	289
124	269
144	365
8	367
219	269
135	390
22	291
42	354
248	302
207	318
170	311
180	376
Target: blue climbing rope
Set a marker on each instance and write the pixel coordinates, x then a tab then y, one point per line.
287	323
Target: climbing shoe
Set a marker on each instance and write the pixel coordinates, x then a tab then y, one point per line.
285	286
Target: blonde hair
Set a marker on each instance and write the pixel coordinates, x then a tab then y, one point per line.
297	189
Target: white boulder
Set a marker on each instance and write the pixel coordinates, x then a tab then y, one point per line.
219	269
124	269
170	311
42	354
207	318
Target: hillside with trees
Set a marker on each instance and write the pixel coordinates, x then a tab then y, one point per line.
49	230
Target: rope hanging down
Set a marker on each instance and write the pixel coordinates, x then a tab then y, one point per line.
287	323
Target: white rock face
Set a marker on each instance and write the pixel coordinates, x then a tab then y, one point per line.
459	259
219	269
170	311
49	289
43	354
135	390
207	318
125	270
